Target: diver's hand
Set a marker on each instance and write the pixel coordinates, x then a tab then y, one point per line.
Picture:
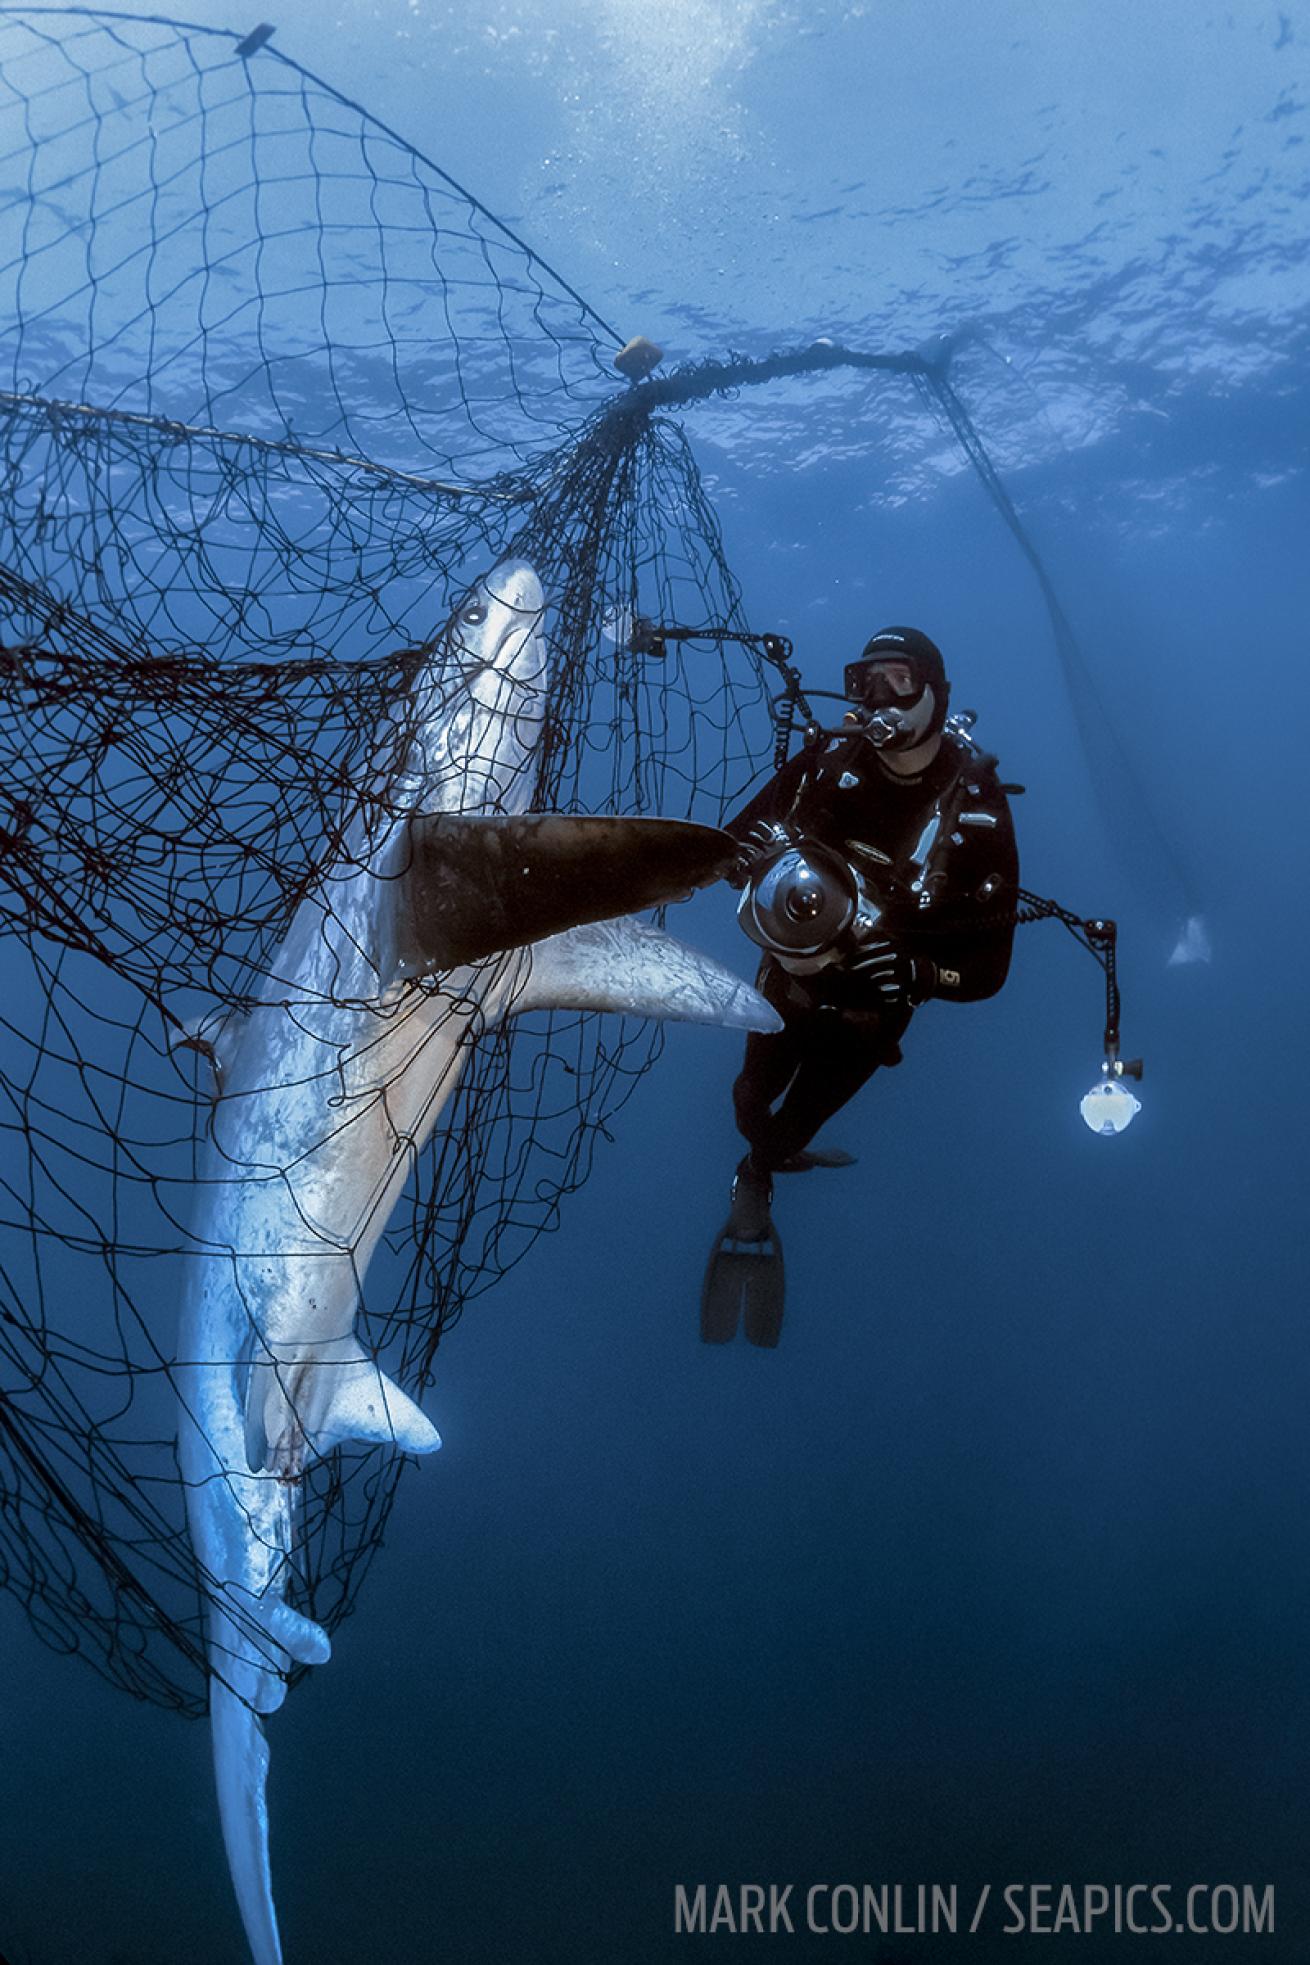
765	838
897	978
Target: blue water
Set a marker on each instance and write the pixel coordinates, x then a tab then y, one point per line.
997	1570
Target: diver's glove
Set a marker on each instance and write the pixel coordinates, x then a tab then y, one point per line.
899	979
765	837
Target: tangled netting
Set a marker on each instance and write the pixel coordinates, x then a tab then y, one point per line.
274	391
208	640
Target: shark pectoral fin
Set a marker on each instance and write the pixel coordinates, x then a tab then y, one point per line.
241	1775
475	884
320	1399
637	970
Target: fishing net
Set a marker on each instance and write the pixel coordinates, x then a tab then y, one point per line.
274	391
208	643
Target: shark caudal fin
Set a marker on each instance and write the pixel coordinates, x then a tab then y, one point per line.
636	970
241	1774
302	1405
253	1642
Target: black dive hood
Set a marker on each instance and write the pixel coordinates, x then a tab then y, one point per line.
924	657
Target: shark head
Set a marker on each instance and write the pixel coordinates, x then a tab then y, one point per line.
479	715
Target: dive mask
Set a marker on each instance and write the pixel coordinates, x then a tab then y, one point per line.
885	682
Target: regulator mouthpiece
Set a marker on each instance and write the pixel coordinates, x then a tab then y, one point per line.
884	727
1110	1107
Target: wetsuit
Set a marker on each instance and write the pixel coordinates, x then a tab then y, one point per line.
838	1028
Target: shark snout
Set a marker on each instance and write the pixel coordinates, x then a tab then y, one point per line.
514	583
498	625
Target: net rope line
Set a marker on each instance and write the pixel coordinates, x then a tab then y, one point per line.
211	637
931	376
53	412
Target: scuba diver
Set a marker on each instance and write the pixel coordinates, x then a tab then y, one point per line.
878	868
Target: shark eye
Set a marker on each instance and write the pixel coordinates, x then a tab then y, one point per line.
474	615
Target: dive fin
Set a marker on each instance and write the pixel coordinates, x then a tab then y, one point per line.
241	1775
468	885
763	1299
305	1404
816	1156
720	1296
636	970
744	1283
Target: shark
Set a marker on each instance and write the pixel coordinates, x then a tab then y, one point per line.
327	1088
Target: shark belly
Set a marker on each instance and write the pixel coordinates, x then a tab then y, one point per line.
329	1088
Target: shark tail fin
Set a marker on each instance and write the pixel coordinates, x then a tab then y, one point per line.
253	1640
637	970
304	1405
241	1775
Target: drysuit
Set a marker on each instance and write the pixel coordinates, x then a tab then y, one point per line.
939	849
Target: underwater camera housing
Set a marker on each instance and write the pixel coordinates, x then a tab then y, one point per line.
805	903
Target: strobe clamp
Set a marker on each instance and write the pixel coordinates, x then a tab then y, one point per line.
652	638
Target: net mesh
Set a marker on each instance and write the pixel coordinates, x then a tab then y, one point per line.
275	391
